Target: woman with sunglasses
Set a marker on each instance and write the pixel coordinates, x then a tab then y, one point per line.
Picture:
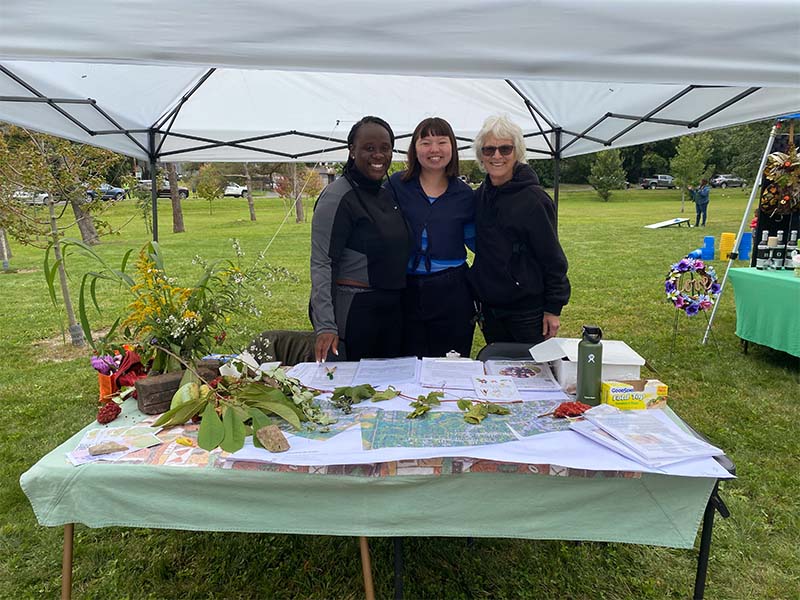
359	247
440	211
520	271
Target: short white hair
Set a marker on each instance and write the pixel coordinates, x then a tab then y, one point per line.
501	127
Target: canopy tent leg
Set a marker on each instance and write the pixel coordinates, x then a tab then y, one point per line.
66	562
366	568
735	253
151	139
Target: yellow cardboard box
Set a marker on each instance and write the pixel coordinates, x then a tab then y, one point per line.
634	394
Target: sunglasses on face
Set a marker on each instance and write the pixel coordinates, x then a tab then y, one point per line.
505	150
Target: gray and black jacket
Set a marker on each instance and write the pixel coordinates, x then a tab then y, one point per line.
358	233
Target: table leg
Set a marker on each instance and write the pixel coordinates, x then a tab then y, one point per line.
398	568
714	503
366	568
66	562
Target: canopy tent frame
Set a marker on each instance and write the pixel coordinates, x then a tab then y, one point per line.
161	129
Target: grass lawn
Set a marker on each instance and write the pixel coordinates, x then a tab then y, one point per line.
747	404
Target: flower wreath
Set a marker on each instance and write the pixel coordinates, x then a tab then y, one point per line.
691	286
782	194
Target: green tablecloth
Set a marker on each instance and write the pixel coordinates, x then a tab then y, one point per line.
648	509
768	308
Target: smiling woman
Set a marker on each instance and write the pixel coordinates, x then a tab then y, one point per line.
359	247
520	270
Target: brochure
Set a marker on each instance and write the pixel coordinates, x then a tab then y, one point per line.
450	373
527	374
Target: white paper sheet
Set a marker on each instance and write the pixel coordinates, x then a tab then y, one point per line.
450	373
384	371
527	374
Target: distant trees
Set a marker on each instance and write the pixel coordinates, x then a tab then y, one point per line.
607	173
691	163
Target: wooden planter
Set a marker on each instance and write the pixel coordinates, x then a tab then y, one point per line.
154	393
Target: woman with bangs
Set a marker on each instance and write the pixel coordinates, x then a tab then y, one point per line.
520	271
440	211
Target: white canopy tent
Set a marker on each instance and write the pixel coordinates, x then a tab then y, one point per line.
249	80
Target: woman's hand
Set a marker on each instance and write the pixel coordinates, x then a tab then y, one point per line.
550	325
324	343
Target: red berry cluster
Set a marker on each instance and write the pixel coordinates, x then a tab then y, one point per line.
571	409
108	412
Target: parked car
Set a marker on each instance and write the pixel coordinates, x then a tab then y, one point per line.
31	198
658	181
164	190
107	192
234	189
724	181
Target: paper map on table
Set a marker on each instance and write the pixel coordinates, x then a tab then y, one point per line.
325	432
527	374
172	453
391	429
132	438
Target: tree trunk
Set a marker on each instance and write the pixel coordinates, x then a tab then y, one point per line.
298	201
75	331
5	250
683	193
86	226
249	182
177	210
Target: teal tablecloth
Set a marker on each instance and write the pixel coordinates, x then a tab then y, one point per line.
648	509
768	308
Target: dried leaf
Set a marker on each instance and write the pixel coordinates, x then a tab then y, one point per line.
272	439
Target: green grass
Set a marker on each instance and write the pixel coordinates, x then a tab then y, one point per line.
747	404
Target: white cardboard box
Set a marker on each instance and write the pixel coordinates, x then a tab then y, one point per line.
620	361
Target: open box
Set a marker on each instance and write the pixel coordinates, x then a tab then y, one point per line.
620	361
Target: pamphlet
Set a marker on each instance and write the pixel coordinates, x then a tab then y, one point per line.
653	436
527	374
450	373
383	371
495	387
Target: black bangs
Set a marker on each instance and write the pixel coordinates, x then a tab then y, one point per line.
435	126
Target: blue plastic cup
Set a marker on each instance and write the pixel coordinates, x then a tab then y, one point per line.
708	248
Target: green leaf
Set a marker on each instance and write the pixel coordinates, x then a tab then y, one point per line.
476	414
234	431
252	393
386	394
281	410
432	398
186	393
180	414
464	404
496	409
211	429
190	376
259	420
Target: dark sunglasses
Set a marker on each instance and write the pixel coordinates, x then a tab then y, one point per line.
505	150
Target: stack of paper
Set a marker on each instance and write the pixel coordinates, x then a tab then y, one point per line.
649	437
527	374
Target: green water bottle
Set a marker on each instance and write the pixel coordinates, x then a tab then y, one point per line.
590	365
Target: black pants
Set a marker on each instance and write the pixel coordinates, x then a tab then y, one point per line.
438	312
502	325
372	322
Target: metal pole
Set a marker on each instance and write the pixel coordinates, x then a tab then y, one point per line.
735	254
557	171
151	139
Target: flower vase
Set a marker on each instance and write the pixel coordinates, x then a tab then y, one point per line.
107	386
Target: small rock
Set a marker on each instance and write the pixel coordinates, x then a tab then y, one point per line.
106	448
272	438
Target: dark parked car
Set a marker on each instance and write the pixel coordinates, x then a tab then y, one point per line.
724	181
107	192
163	191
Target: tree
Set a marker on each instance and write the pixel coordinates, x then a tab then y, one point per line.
64	171
177	210
690	164
303	180
607	173
210	184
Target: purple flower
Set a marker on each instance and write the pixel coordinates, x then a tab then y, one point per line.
684	265
679	302
692	309
104	364
669	286
715	287
698	264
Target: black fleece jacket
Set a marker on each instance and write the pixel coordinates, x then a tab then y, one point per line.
519	263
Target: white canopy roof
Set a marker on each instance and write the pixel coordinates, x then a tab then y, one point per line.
263	80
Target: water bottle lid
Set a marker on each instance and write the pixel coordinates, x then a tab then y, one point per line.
592	333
